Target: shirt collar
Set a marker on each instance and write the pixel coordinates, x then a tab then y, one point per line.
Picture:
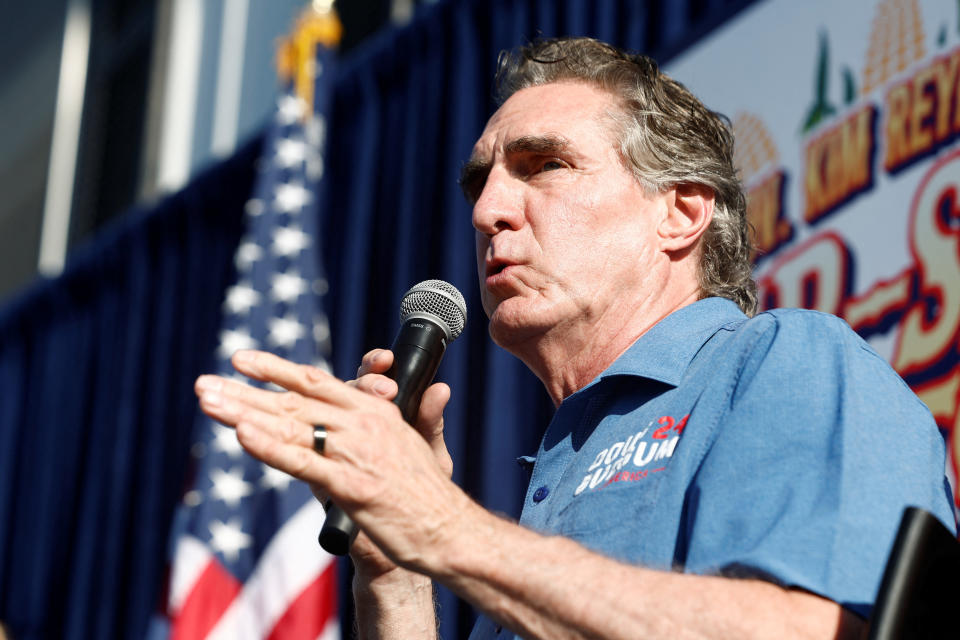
664	352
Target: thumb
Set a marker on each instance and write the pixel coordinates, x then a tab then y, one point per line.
430	422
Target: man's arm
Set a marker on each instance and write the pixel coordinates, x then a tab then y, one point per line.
552	587
387	478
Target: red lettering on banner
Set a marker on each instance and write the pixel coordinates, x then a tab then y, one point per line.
813	275
879	303
930	328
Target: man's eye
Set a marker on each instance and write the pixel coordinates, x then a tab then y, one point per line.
551	165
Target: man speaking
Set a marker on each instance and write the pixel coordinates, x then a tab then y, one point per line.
708	473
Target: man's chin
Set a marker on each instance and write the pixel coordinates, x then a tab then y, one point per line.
513	324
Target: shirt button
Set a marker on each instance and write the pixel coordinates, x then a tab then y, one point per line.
540	494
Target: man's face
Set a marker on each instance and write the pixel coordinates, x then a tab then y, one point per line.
565	235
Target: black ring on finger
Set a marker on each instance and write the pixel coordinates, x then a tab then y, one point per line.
319	438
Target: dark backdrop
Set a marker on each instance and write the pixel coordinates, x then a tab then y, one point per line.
96	367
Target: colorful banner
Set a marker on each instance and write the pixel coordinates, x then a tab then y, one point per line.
847	116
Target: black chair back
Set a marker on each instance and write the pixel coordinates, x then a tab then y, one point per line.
919	596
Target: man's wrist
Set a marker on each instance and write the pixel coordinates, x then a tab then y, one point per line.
399	603
396	582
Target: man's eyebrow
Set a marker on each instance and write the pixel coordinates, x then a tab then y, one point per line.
548	143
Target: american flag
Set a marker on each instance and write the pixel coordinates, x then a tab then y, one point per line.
246	563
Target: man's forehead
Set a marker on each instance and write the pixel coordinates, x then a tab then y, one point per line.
551	113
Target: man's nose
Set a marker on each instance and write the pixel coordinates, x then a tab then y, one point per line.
500	205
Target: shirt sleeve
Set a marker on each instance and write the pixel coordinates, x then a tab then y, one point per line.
820	450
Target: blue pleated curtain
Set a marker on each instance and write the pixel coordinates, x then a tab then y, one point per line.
97	366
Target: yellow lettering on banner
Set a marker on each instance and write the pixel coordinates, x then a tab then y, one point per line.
897	110
919	109
946	79
857	133
814	178
766	215
921	129
928	335
813	276
838	163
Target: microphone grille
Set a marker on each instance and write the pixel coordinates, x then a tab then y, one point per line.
439	299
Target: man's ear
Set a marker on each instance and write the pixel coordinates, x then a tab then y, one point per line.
689	212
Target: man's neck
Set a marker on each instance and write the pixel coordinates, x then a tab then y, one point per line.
566	359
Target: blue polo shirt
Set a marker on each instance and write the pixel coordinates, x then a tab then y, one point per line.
779	447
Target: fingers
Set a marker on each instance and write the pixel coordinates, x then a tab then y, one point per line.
375	361
304	379
287	417
370	378
287	403
278	439
430	417
298	461
376	384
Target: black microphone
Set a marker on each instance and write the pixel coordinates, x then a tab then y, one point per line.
432	314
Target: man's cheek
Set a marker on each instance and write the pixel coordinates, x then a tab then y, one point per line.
481	244
489	304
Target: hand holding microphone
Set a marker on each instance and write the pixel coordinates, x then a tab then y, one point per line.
432	314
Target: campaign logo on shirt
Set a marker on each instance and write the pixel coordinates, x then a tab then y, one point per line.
635	458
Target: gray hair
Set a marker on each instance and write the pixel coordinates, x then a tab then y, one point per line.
667	138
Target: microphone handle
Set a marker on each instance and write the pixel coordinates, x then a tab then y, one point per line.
417	351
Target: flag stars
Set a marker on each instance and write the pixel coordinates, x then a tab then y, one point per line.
241	297
290	152
285	331
291	197
290	109
233	340
225	440
275	479
247	253
288	286
254	207
314	167
230	486
237	502
315	132
289	241
228	538
321	329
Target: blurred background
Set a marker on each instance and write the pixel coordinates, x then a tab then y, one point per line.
143	93
182	178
